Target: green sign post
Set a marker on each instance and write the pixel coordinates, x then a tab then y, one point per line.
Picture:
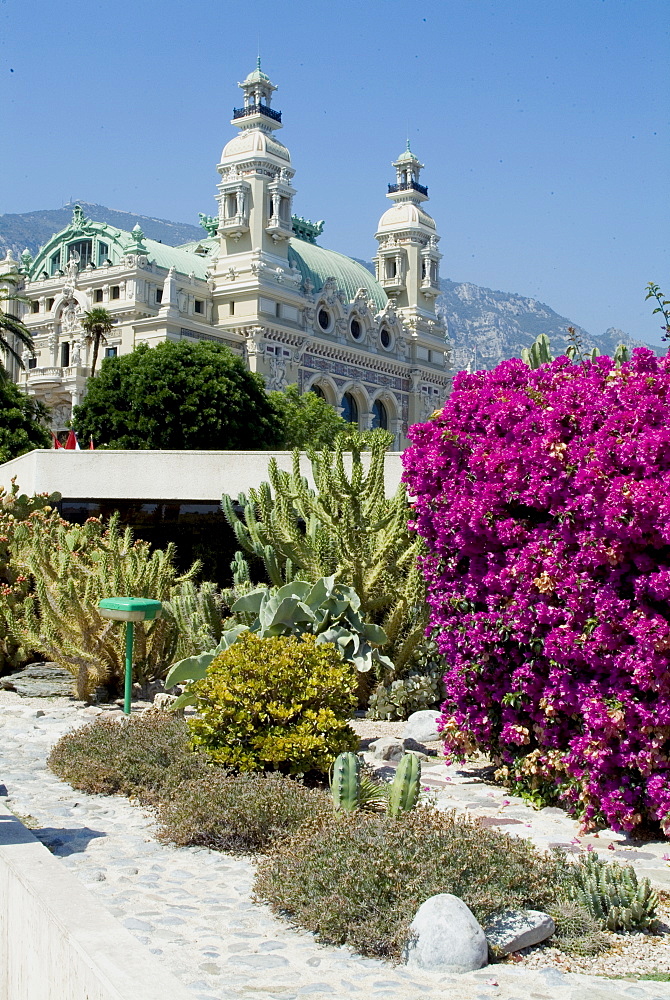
129	610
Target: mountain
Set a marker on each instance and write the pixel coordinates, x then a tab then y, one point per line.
485	326
31	230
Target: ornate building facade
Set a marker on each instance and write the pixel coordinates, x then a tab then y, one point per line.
257	282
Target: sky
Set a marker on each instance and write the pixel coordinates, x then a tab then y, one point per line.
542	124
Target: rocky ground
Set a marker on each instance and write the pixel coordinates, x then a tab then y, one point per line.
193	907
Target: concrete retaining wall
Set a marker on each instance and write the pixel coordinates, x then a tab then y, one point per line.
57	942
154	475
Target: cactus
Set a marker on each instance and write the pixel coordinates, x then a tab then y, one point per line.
344	527
613	895
199	614
345	782
404	792
539	352
577	931
72	567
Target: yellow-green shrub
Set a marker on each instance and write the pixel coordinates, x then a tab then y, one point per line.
277	703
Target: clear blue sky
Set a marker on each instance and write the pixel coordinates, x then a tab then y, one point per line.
543	125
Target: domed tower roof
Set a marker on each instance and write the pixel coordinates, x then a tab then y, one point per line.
257	76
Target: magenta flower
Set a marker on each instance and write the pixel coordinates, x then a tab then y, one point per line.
543	498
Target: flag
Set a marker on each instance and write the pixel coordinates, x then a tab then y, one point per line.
72	444
91	446
56	442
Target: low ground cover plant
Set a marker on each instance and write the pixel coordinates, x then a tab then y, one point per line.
143	756
359	878
238	812
279	703
542	498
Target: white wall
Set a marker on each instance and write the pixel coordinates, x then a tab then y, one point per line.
154	475
57	942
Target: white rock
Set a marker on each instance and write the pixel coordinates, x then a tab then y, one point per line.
422	727
513	930
387	748
445	937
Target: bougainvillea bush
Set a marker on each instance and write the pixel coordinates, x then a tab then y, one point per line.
544	500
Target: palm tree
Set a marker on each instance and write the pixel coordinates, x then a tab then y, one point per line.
10	324
96	324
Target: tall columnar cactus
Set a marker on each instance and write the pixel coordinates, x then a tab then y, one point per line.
199	613
404	791
345	526
345	782
73	567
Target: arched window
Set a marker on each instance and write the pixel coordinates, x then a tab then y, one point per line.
380	417
349	408
318	391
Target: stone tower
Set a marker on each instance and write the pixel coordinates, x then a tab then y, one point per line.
407	265
255	199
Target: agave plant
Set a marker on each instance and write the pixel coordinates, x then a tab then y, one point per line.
328	610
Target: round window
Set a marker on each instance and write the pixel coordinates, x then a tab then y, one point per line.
380	417
349	408
385	337
355	329
324	319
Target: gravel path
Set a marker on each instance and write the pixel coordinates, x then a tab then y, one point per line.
192	907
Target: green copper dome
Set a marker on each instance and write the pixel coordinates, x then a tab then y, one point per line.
256	75
317	264
406	154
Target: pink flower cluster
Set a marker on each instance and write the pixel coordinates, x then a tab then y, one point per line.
543	497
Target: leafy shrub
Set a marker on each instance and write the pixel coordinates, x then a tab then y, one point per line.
276	704
542	499
359	878
238	812
142	755
72	567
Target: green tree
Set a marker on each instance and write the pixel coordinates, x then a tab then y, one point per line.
96	324
179	396
22	420
11	326
307	420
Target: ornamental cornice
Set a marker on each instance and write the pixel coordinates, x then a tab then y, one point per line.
335	353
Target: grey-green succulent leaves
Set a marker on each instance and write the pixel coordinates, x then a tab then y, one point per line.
325	609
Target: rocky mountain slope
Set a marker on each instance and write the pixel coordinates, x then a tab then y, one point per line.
485	326
31	230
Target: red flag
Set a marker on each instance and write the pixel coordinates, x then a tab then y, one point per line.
56	442
91	446
71	444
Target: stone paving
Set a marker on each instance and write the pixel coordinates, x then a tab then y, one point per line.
193	908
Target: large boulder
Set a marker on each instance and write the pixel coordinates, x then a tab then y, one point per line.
513	930
445	937
422	727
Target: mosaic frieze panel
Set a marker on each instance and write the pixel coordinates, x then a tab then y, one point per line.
352	372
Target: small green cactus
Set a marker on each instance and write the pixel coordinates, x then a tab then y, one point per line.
404	791
577	931
345	782
613	895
